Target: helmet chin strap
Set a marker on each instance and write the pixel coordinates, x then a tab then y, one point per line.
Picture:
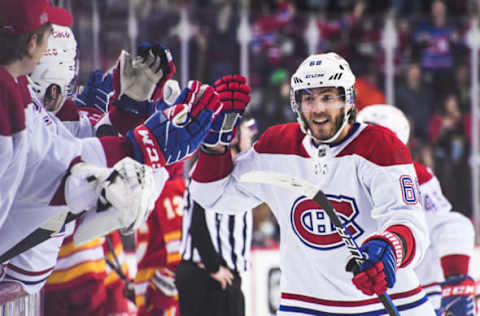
306	130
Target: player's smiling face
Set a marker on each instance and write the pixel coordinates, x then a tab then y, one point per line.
323	111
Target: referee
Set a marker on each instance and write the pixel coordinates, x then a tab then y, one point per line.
215	251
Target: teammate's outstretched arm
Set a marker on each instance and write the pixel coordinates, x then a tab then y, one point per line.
174	134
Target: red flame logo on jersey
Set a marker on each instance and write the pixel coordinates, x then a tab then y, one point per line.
313	226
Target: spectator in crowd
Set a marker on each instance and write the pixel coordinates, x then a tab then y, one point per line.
276	96
368	92
462	86
266	232
217	26
436	42
415	98
451	151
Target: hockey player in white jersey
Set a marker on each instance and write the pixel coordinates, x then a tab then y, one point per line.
46	168
365	172
444	271
53	81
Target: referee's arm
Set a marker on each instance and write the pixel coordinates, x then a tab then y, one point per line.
202	241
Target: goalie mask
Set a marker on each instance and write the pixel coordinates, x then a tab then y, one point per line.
387	116
54	77
323	71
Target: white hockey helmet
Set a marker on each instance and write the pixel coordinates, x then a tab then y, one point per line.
387	116
318	71
59	65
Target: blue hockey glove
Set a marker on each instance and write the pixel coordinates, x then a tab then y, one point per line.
458	296
235	95
97	91
175	133
383	254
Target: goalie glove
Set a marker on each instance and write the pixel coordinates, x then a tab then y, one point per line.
235	95
97	92
458	296
83	186
125	200
175	133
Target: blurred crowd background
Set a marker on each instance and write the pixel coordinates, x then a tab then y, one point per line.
431	58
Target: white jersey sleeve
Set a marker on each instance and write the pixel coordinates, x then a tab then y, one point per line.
451	234
395	200
228	194
444	224
14	98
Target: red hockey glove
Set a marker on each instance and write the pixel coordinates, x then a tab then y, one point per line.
235	95
384	255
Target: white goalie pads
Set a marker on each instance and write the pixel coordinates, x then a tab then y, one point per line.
126	198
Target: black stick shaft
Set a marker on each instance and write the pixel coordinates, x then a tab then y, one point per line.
352	246
36	237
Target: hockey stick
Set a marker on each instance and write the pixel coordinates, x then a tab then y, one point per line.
311	191
129	291
53	226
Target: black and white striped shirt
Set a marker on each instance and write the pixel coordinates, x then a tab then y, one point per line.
214	238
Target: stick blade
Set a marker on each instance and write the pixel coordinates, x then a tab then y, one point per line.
288	182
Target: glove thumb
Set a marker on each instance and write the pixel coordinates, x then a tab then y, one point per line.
126	69
179	114
171	92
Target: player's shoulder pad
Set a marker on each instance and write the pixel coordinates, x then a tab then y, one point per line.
378	145
14	98
282	139
424	175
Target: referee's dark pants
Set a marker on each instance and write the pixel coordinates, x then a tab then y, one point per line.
200	295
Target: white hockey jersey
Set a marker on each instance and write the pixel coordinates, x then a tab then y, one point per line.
50	149
451	233
370	180
14	98
48	159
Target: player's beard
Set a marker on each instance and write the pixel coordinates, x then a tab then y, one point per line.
337	124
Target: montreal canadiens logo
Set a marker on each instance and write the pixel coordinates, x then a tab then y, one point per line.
313	226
